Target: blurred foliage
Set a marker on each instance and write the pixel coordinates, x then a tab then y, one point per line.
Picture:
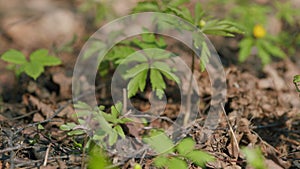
254	158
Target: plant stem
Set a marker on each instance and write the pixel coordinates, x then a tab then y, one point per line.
189	94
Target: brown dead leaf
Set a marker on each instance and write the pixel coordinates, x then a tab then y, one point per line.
46	110
64	83
37	117
48	167
278	82
272	164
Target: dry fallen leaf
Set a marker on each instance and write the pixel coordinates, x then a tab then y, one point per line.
46	110
64	83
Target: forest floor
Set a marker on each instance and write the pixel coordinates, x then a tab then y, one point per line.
262	105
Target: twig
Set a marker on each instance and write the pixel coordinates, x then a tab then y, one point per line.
124	100
18	147
47	154
233	137
25	115
83	153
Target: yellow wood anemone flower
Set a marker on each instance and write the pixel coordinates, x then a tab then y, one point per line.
259	31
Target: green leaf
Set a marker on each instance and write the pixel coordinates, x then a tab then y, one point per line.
109	117
146	6
245	49
94	47
40	127
65	127
116	110
263	53
135	57
14	56
171	76
33	69
176	163
157	54
160	142
136	70
157	82
183	13
296	79
185	146
136	83
76	132
112	138
148	37
176	3
82	105
205	55
199	158
68	126
120	131
254	158
160	161
97	158
198	12
41	57
272	49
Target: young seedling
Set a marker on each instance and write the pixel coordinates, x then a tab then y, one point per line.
176	156
33	67
296	82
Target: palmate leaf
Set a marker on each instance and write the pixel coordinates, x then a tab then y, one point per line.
14	56
146	6
254	158
263	53
160	161
157	82
198	12
137	83
245	49
183	13
33	69
136	70
199	158
176	163
185	146
176	3
205	55
41	57
136	57
119	53
272	49
160	142
222	28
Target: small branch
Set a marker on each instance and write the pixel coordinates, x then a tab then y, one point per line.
47	154
124	101
233	137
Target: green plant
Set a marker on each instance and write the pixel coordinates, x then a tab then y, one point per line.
296	82
110	124
33	67
256	35
98	10
151	62
175	156
254	158
97	157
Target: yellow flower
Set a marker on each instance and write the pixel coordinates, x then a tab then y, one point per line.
259	31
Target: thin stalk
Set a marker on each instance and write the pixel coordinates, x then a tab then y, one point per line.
189	94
